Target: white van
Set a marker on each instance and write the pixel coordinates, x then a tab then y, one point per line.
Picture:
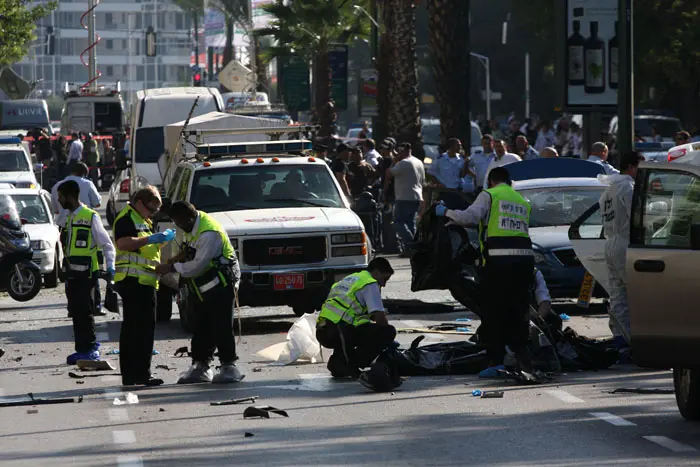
155	109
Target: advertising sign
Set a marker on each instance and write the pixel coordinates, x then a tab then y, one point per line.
592	53
295	83
368	93
338	63
214	28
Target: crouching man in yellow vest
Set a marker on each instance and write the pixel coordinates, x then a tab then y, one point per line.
353	322
208	264
503	217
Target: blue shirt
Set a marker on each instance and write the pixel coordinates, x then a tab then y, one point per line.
530	154
448	170
479	163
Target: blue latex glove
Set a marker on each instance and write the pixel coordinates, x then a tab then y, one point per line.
110	273
161	237
440	210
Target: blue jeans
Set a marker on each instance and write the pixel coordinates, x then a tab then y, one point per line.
405	221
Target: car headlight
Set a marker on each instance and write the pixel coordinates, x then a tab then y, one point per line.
40	245
340	239
539	257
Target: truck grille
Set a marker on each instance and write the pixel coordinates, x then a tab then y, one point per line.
568	258
284	251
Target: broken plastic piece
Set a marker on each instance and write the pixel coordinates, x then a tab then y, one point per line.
236	401
476	393
155	352
94	365
262	412
492	395
182	352
564	317
113	352
130	398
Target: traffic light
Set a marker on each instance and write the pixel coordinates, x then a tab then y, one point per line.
197	79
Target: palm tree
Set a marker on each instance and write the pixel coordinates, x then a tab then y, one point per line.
309	29
449	51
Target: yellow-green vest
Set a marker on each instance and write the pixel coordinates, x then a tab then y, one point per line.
506	233
342	303
80	249
142	263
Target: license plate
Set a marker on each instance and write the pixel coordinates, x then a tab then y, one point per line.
586	293
288	281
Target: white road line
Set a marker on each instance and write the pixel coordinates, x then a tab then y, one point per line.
102	336
564	396
129	461
123	436
612	419
670	444
118	415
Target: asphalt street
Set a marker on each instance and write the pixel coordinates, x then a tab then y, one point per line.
572	421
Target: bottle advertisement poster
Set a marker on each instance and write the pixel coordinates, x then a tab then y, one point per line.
592	53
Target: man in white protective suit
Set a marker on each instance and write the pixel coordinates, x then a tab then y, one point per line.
615	205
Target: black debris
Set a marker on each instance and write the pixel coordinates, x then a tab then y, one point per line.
161	409
183	352
163	367
641	391
492	395
18	359
248	434
257	369
236	401
80	382
263	412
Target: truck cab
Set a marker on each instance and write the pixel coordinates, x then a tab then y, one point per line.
93	110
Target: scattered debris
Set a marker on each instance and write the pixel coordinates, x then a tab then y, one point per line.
463	320
73	374
492	395
80	381
130	398
236	401
257	369
263	412
463	330
34	401
248	434
476	393
444	328
183	352
94	365
164	367
161	409
113	352
641	391
32	411
18	359
393	393
564	317
155	352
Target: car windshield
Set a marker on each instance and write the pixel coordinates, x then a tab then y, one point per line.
13	161
31	208
150	144
557	206
667	128
264	187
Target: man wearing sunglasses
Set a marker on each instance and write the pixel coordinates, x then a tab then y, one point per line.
138	254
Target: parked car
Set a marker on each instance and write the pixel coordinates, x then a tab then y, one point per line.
16	165
118	195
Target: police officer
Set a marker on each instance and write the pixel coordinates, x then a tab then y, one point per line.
209	265
502	215
353	322
84	235
138	254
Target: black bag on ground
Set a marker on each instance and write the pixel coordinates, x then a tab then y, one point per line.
581	353
450	358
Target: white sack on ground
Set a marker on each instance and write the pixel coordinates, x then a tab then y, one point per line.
301	343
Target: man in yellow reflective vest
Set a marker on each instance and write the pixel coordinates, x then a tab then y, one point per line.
353	321
84	235
208	263
138	254
503	217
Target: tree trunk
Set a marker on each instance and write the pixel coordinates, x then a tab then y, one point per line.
260	69
324	108
404	116
385	75
449	50
228	48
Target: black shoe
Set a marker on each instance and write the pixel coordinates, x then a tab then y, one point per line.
340	369
142	382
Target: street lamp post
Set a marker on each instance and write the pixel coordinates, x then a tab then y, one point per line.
374	45
486	63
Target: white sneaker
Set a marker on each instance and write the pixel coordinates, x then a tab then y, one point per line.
199	372
228	373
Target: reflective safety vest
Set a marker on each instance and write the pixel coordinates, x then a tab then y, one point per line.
213	274
342	303
81	252
506	232
142	263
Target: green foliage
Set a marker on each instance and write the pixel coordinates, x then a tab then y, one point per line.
191	5
17	27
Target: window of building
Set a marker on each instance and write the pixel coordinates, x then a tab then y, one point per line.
108	18
179	21
109	44
140	75
110	70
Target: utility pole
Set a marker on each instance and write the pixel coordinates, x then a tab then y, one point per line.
373	13
196	38
92	57
625	92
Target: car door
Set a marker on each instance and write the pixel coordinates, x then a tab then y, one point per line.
663	266
589	245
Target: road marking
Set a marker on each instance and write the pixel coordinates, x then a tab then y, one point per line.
118	415
129	461
564	396
612	419
123	436
102	336
670	444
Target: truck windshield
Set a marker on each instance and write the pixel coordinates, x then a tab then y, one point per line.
150	144
264	187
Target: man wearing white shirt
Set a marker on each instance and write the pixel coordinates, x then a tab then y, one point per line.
89	196
75	151
502	158
478	164
599	155
372	157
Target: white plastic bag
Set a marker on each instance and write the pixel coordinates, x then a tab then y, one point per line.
301	343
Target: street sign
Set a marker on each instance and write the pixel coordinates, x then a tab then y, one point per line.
236	77
368	93
294	83
338	63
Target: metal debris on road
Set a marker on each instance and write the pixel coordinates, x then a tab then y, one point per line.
164	367
80	381
641	391
492	395
257	369
263	412
183	352
130	398
236	401
18	359
248	434
161	409
32	411
95	365
38	401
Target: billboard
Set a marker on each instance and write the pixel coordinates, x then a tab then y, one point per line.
368	93
592	52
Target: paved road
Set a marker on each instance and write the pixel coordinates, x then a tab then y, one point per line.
574	421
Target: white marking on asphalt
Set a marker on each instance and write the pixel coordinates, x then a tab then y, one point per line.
612	419
316	382
123	436
564	396
670	444
129	461
102	336
118	415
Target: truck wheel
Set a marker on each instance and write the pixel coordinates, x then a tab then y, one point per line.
686	382
164	304
51	279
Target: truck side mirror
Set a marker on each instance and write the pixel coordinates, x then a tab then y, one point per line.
695	236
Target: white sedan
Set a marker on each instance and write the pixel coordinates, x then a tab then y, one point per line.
16	165
34	210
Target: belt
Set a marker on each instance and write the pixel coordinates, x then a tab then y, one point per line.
209	285
510	252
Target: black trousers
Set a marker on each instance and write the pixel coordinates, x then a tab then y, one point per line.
213	326
506	303
81	305
138	328
357	345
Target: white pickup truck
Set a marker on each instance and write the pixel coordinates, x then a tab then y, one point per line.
293	230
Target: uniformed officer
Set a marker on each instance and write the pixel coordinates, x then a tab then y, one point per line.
84	235
503	216
353	322
138	254
208	263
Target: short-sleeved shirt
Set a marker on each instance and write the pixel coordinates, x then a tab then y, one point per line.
448	170
124	227
479	163
409	178
89	196
339	166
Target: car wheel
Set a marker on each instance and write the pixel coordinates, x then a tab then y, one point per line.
164	304
51	279
686	382
110	213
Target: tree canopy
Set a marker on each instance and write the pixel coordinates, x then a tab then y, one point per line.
17	18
